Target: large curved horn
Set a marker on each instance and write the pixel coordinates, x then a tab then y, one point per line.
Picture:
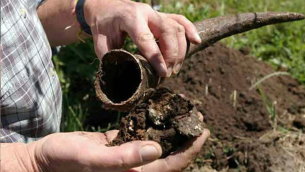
215	29
123	77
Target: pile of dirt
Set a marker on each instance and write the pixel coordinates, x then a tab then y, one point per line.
249	128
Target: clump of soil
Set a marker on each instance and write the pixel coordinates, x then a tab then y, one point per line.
217	82
164	117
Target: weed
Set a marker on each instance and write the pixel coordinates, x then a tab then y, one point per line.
267	77
271	107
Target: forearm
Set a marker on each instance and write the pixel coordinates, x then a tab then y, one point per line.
56	17
17	157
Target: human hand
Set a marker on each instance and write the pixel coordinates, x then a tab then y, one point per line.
110	20
85	151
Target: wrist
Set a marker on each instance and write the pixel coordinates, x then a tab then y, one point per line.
17	157
88	12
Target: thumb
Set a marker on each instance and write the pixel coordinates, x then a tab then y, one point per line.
131	154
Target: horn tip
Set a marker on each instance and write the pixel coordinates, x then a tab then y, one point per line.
296	16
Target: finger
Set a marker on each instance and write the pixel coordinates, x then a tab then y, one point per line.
169	46
103	43
179	160
190	29
182	45
144	39
100	44
126	156
166	31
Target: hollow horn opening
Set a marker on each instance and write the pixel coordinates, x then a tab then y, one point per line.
120	77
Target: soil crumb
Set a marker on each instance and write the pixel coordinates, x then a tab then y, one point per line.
164	117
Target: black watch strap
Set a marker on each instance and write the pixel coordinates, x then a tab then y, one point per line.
79	10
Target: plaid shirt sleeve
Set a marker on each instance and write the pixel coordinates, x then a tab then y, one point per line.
31	99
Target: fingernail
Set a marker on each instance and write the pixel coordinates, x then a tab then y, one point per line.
169	71
198	39
177	68
163	69
149	153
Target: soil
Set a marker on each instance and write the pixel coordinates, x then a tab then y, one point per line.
164	117
244	135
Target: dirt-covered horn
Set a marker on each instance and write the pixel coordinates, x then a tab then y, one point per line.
123	78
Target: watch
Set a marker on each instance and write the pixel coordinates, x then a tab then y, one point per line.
79	10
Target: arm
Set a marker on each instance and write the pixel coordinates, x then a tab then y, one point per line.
110	20
17	157
56	16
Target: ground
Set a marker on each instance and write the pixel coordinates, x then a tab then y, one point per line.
251	130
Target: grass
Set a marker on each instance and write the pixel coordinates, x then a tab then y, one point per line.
271	108
282	45
267	77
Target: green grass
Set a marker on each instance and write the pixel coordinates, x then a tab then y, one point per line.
76	67
282	45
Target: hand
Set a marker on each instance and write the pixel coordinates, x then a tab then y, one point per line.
110	20
85	151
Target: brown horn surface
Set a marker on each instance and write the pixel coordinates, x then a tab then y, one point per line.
215	29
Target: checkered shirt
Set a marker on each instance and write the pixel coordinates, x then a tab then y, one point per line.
31	99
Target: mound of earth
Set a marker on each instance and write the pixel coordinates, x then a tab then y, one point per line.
251	130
